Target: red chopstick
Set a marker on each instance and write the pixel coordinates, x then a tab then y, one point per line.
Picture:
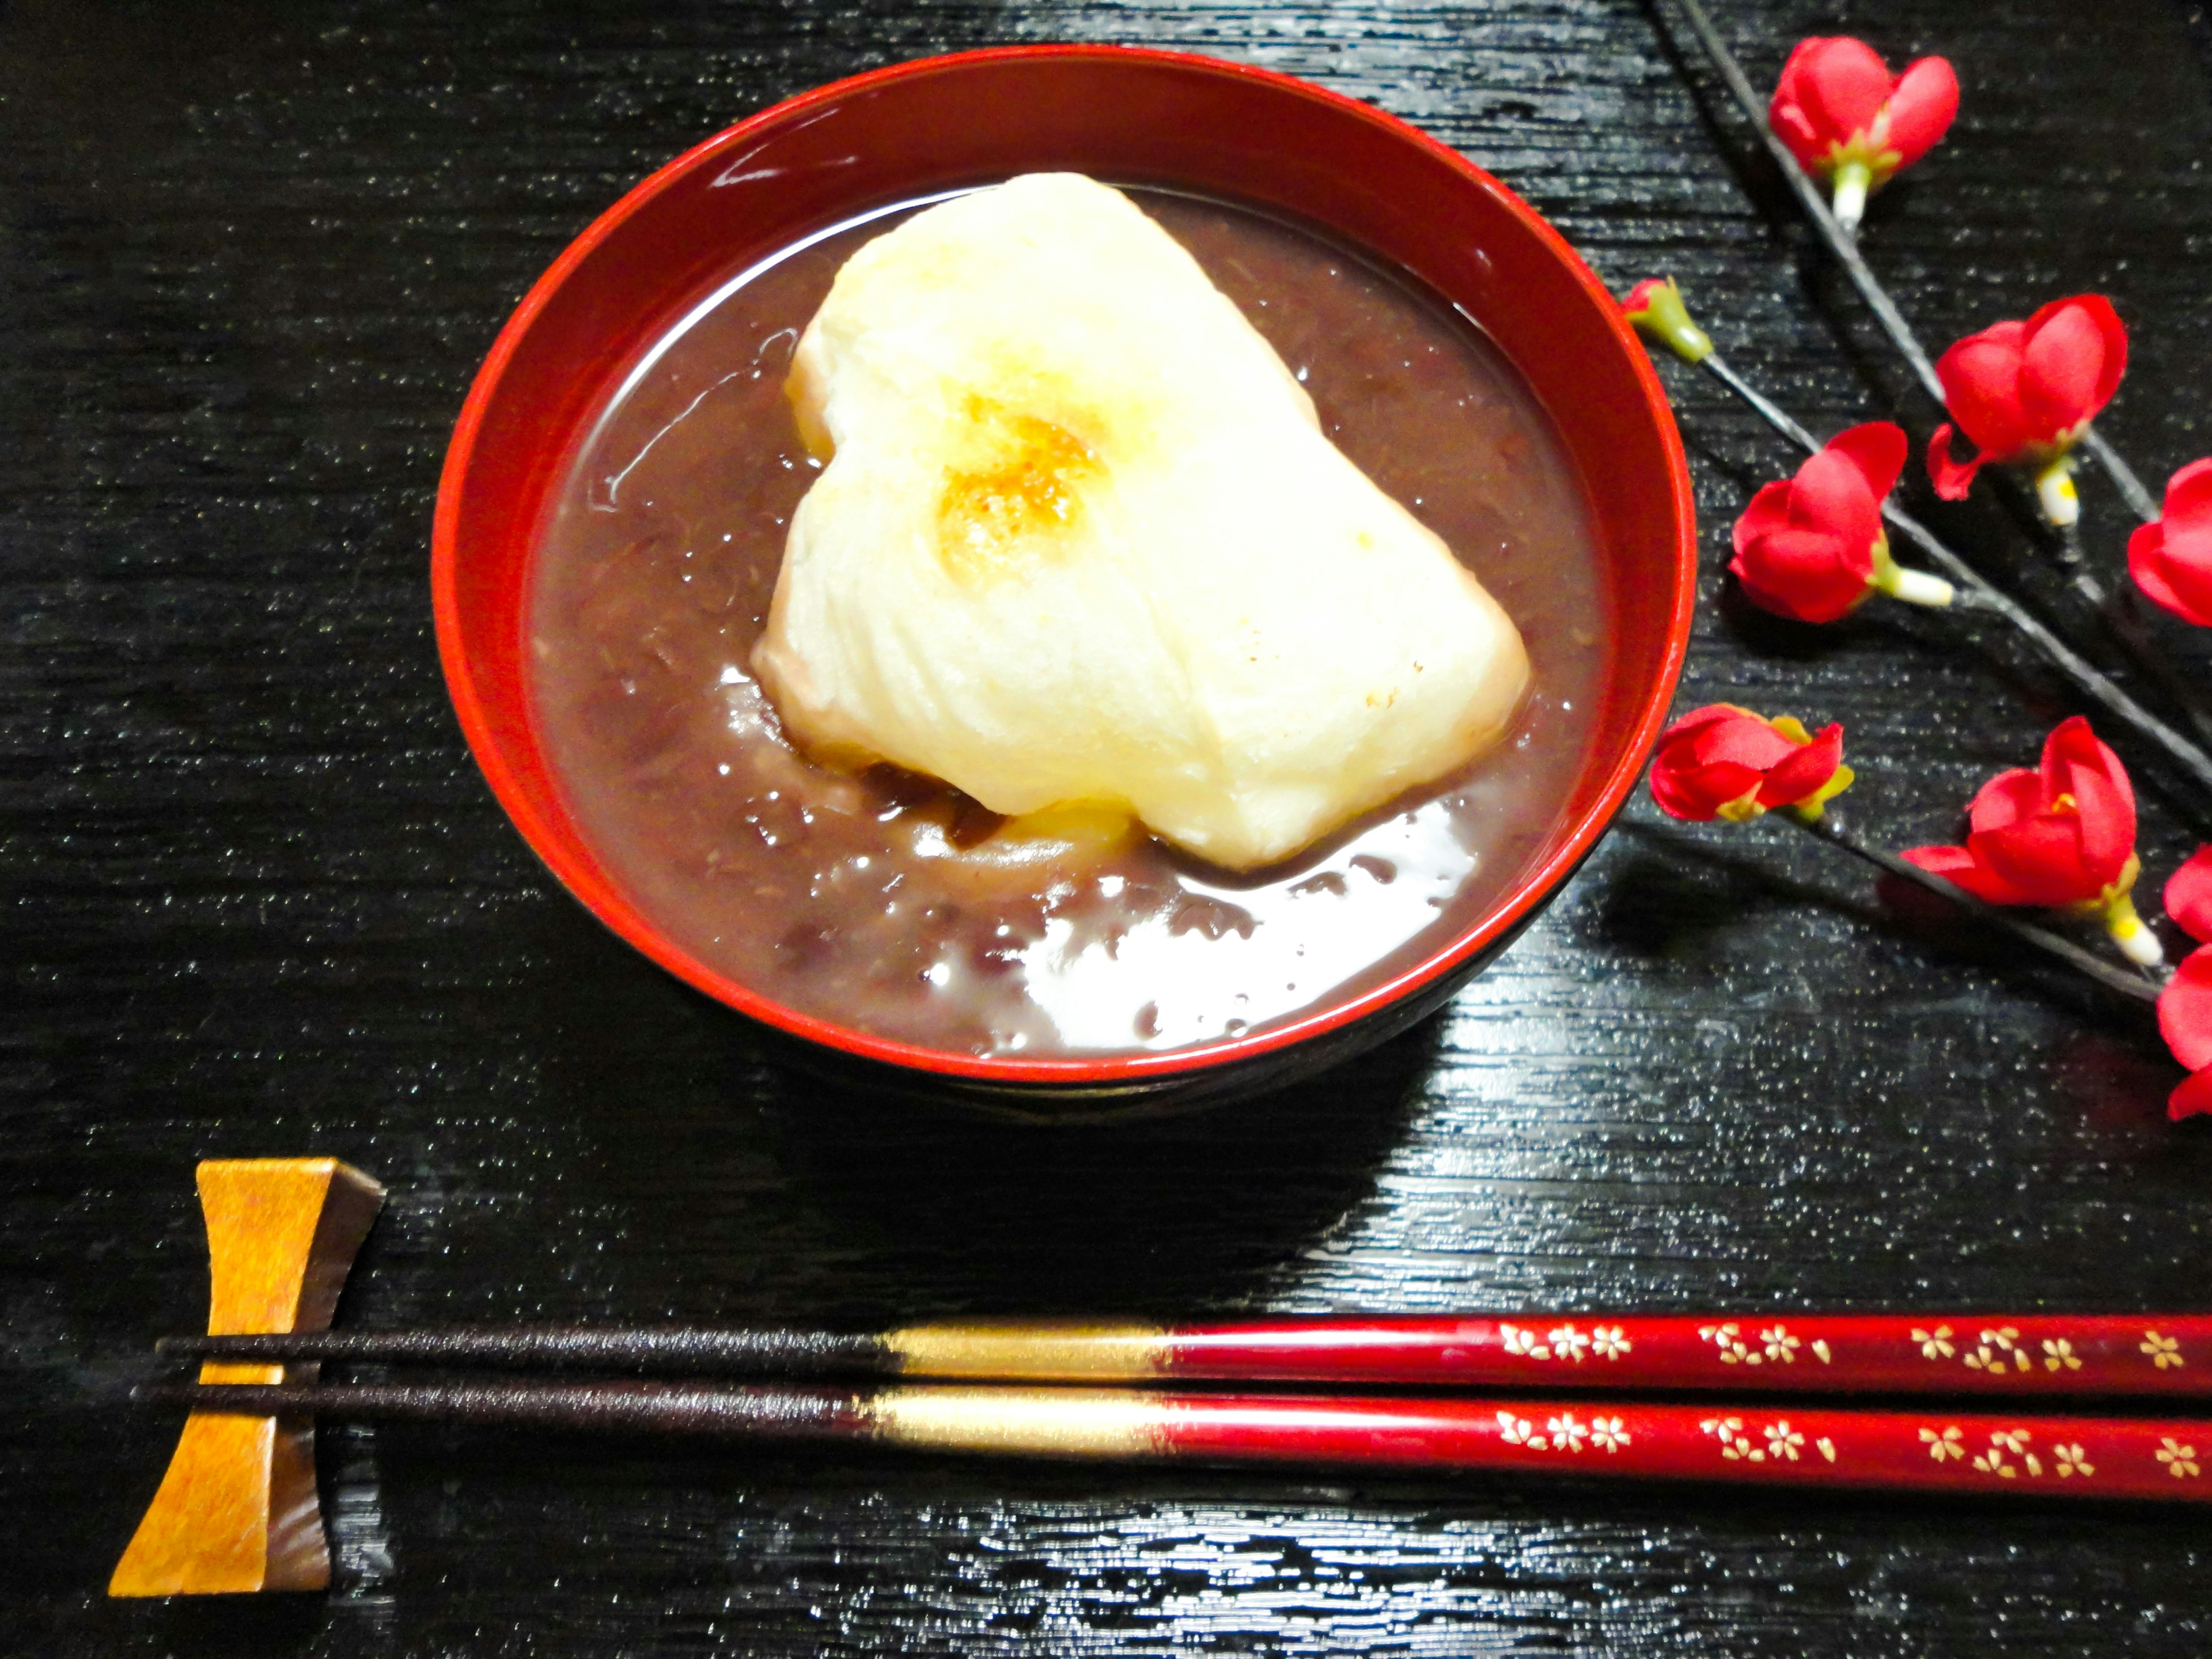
1771	1443
2053	1356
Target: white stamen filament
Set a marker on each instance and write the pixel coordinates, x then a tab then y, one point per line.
1918	587
2054	490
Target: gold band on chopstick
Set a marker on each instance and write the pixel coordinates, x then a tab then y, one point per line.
1061	1353
1027	1422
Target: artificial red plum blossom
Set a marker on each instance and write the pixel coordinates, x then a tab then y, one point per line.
1812	547
1846	121
2189	897
2063	836
1722	762
1655	307
2184	1007
2026	392
2184	1020
2171	560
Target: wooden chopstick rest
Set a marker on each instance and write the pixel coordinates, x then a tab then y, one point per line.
238	1510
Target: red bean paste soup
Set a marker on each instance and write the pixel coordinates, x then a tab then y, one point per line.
890	903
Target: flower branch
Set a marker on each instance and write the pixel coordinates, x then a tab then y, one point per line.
1657	308
1725	763
1835	101
2139	500
2024	394
2133	985
1843	243
2059	836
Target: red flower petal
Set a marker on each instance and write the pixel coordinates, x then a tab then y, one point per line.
2107	817
1791	127
1962	869
2005	800
1680	796
2039	857
1921	108
2147	565
1769	512
2188	897
2069	742
2184	1011
1749	742
1803	573
1953	479
2062	369
1843	84
1804	769
2112	336
1686	790
2171	560
2077	762
2194	1096
2189	495
1674	800
1830	497
1786	113
1878	450
1698	719
1980	375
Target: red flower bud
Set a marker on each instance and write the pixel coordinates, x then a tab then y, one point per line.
1837	106
1812	547
2025	391
2184	1020
1727	762
2064	834
2189	897
2171	560
1654	307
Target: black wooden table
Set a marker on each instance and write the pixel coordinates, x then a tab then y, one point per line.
255	899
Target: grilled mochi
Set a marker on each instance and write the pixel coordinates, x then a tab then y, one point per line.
1080	541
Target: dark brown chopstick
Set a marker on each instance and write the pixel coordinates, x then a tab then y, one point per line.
674	1350
2054	1357
1765	1443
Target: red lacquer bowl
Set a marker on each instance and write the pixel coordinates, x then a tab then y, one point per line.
1129	117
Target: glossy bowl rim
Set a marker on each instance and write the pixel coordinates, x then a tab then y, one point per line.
1533	887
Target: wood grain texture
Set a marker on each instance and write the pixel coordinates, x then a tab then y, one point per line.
255	900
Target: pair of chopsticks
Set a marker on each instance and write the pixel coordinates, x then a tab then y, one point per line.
1875	1402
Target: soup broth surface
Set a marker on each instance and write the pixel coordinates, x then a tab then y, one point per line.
889	903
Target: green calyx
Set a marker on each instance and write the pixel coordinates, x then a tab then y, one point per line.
1664	318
